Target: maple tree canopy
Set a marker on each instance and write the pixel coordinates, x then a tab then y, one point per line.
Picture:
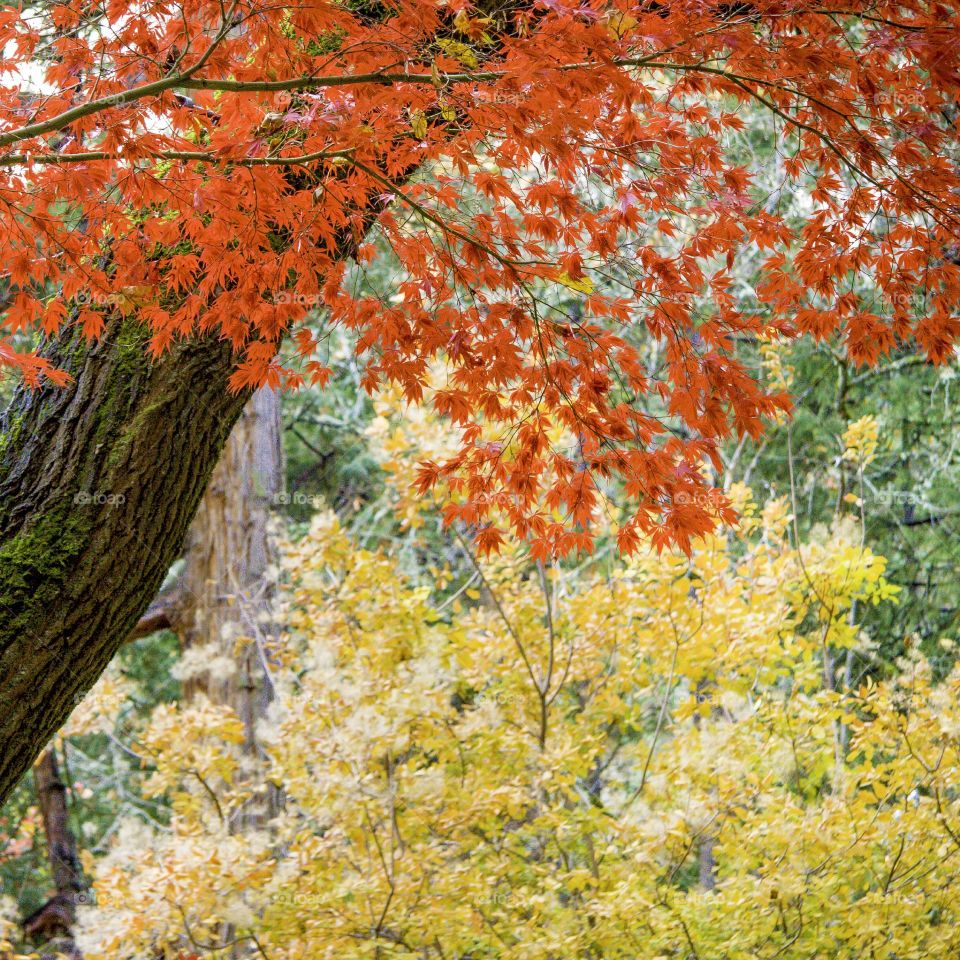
199	166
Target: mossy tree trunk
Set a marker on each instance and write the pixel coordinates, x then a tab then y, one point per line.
99	482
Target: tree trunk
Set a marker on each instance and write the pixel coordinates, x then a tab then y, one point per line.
61	844
226	587
706	863
54	920
98	484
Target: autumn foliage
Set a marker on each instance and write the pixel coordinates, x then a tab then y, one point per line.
559	183
651	763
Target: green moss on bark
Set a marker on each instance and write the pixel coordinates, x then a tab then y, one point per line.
35	563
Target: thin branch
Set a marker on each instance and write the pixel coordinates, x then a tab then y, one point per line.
58	159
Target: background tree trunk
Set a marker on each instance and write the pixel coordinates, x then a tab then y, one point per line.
53	922
61	844
227	586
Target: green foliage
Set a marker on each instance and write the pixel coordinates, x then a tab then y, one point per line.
908	496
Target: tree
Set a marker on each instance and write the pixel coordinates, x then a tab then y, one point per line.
436	809
179	187
906	493
225	584
219	603
54	920
225	616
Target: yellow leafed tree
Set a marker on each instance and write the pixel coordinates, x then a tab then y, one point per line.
645	763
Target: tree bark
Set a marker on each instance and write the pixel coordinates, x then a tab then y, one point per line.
61	844
706	863
226	587
98	484
54	920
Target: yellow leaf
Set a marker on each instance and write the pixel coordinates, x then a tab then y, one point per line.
459	51
418	121
583	285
